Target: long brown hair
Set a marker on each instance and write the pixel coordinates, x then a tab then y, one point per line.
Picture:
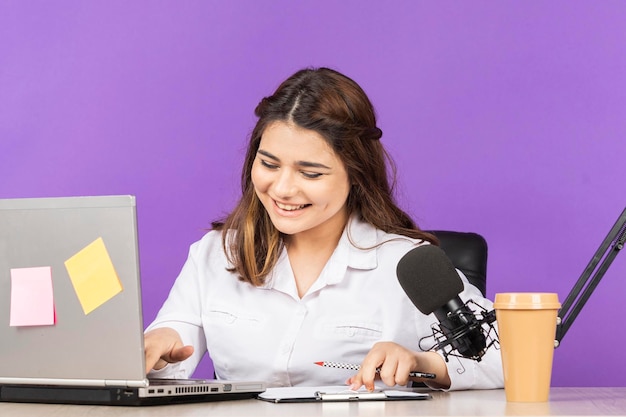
334	106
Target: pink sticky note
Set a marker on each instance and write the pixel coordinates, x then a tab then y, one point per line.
32	300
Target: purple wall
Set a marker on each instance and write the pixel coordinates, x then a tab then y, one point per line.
505	118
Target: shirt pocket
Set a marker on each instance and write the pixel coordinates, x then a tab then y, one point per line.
349	328
232	331
229	317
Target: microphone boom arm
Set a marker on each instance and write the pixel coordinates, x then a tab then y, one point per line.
588	281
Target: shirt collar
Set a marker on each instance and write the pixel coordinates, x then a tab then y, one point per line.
356	250
360	239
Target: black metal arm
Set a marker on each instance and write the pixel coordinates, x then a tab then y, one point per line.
588	281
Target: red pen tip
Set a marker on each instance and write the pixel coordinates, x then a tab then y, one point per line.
319	363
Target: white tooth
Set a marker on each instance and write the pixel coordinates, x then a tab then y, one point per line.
288	208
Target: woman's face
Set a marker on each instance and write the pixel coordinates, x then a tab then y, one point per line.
301	182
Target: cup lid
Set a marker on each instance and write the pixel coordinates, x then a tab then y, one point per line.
527	300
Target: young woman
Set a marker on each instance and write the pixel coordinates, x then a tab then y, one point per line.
303	269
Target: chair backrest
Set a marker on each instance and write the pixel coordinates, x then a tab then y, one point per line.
468	252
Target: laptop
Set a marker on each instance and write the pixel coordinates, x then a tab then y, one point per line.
71	325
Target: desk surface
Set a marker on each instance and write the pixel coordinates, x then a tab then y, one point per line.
563	401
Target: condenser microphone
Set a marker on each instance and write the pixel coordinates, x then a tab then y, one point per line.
432	283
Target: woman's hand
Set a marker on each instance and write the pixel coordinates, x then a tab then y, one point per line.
163	346
395	363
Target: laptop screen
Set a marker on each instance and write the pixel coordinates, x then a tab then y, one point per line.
70	294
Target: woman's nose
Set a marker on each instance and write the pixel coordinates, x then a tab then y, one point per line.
285	184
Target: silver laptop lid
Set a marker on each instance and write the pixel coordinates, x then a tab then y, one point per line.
70	294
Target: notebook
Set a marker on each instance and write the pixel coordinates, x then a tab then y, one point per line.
71	325
339	394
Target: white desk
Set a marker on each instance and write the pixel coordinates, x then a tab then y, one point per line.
563	401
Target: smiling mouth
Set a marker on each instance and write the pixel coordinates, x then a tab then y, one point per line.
290	207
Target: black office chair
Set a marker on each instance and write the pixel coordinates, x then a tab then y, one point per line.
468	252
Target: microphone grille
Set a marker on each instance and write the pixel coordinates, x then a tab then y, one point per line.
428	277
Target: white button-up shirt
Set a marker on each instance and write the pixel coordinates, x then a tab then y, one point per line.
269	333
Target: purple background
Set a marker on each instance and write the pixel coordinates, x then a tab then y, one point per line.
505	118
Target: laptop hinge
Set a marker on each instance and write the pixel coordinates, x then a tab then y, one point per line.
142	383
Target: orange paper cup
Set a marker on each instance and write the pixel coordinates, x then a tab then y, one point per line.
527	331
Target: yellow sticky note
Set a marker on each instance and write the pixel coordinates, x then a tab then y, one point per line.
93	276
32	300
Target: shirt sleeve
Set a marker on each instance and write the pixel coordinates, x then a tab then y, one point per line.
182	312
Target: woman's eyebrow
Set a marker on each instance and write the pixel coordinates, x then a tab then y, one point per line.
306	164
269	155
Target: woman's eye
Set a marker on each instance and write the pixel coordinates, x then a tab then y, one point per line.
268	165
311	175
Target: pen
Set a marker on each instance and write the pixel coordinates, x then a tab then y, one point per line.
354	367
